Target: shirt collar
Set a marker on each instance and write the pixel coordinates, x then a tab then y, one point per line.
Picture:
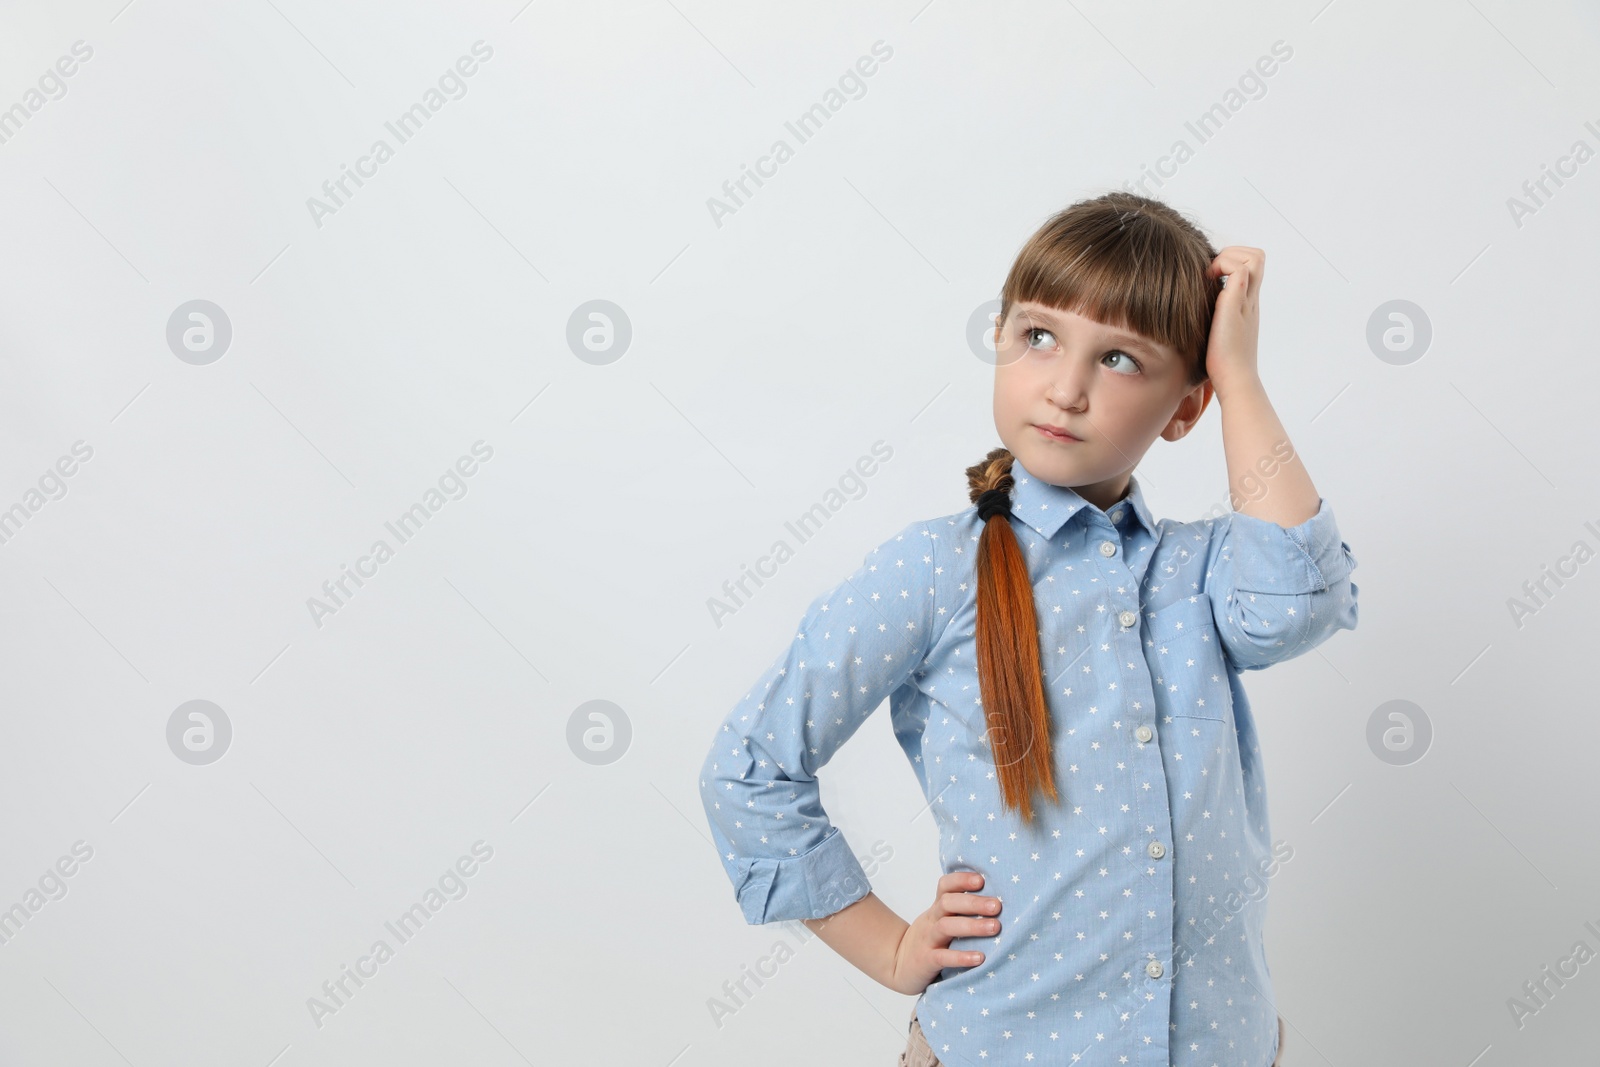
1047	507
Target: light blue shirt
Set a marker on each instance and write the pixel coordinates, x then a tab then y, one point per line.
1132	910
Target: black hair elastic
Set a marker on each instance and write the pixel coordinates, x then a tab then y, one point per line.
993	502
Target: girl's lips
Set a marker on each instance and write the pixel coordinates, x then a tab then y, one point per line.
1064	438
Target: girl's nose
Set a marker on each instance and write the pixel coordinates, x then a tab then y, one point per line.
1069	389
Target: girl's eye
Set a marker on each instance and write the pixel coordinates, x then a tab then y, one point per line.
1130	365
1127	358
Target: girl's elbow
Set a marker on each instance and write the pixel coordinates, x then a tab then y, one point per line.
1346	605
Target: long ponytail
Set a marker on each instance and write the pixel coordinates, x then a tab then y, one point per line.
1010	675
1125	260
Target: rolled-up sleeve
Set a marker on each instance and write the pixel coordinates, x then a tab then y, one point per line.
857	644
1279	591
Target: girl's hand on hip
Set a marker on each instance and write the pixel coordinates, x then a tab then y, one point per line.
957	911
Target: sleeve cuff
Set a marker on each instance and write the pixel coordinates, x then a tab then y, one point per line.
812	886
1268	558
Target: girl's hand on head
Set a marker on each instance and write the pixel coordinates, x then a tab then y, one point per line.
957	911
1236	323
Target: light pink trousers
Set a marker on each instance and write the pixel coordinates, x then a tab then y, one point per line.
918	1053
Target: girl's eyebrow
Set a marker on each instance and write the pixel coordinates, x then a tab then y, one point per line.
1128	340
1121	337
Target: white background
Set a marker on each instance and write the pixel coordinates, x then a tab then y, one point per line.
768	353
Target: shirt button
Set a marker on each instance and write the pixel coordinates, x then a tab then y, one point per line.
1128	618
1157	849
1108	548
1143	733
1116	516
1153	968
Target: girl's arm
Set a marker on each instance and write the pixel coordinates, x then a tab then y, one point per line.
1266	479
856	644
1277	571
867	934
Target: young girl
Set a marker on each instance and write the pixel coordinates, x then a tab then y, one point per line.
1063	674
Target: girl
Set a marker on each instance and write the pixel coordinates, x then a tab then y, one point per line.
1063	673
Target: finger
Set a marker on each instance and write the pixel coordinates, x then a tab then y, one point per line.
1236	267
1226	260
962	926
1241	252
1241	283
960	882
1249	275
1232	258
969	904
949	957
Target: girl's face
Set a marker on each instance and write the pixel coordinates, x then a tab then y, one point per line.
1113	390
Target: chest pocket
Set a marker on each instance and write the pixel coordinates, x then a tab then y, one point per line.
1186	661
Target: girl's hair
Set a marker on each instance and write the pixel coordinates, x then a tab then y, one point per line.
1130	262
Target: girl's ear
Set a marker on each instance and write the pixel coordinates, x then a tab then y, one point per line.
1190	408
